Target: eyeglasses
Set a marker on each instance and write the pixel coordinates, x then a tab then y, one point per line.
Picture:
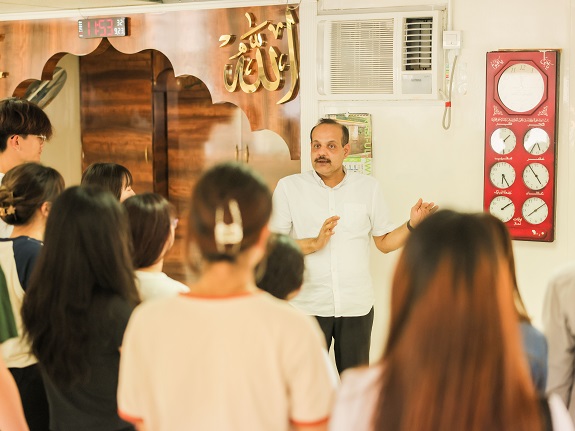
42	137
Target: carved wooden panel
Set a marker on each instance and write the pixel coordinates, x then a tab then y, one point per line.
190	40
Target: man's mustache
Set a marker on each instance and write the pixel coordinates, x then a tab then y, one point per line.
322	159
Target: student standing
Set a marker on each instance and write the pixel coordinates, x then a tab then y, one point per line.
225	356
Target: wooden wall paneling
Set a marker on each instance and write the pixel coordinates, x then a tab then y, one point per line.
190	40
116	112
191	119
30	50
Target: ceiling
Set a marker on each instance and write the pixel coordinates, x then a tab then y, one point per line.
27	6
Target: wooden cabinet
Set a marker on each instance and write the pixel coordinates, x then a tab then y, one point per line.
167	131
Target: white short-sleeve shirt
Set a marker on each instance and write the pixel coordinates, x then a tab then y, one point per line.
337	280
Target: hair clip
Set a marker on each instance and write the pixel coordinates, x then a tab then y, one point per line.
229	234
7	211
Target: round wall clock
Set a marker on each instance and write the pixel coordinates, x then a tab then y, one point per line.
502	207
536	141
503	140
520	141
535	176
535	210
521	87
502	175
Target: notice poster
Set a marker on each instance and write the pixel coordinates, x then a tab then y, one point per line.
359	126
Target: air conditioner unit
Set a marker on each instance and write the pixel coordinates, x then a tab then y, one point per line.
387	56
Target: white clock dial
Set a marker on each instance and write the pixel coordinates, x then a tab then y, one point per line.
503	208
521	87
503	140
502	175
536	141
535	176
535	210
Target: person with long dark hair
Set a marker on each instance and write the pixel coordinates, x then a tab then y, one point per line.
453	358
110	176
26	195
76	308
534	342
226	356
153	228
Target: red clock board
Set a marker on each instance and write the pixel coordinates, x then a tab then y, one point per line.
520	141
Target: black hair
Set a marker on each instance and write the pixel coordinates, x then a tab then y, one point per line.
110	176
22	117
84	264
150	216
283	267
344	131
25	188
215	190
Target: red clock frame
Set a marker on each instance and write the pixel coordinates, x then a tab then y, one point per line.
541	116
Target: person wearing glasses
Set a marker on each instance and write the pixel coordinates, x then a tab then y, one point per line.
153	228
24	128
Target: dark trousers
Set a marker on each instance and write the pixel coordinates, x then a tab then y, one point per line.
33	395
351	339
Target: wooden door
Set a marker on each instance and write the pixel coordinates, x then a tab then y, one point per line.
116	112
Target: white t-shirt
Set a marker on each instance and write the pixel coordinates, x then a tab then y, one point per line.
153	285
337	280
249	362
357	398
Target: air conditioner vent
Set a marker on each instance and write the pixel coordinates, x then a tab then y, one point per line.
380	56
417	44
361	56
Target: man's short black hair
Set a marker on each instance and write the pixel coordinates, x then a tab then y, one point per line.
344	131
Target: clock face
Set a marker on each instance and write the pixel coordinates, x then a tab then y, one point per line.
503	208
535	210
535	176
521	87
503	140
536	141
502	175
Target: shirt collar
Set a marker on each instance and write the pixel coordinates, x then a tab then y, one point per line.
322	184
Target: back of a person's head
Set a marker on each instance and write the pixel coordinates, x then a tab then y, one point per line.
150	216
85	262
453	358
110	176
21	117
25	188
283	267
229	208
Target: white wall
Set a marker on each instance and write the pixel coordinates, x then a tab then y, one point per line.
415	157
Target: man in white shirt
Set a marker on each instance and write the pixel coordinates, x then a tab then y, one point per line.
309	206
24	127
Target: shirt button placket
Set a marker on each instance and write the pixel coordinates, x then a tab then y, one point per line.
333	260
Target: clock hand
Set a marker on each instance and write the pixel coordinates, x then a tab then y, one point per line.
536	176
533	147
536	209
510	203
503	179
506	138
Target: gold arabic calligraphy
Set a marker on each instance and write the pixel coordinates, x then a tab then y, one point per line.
258	69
